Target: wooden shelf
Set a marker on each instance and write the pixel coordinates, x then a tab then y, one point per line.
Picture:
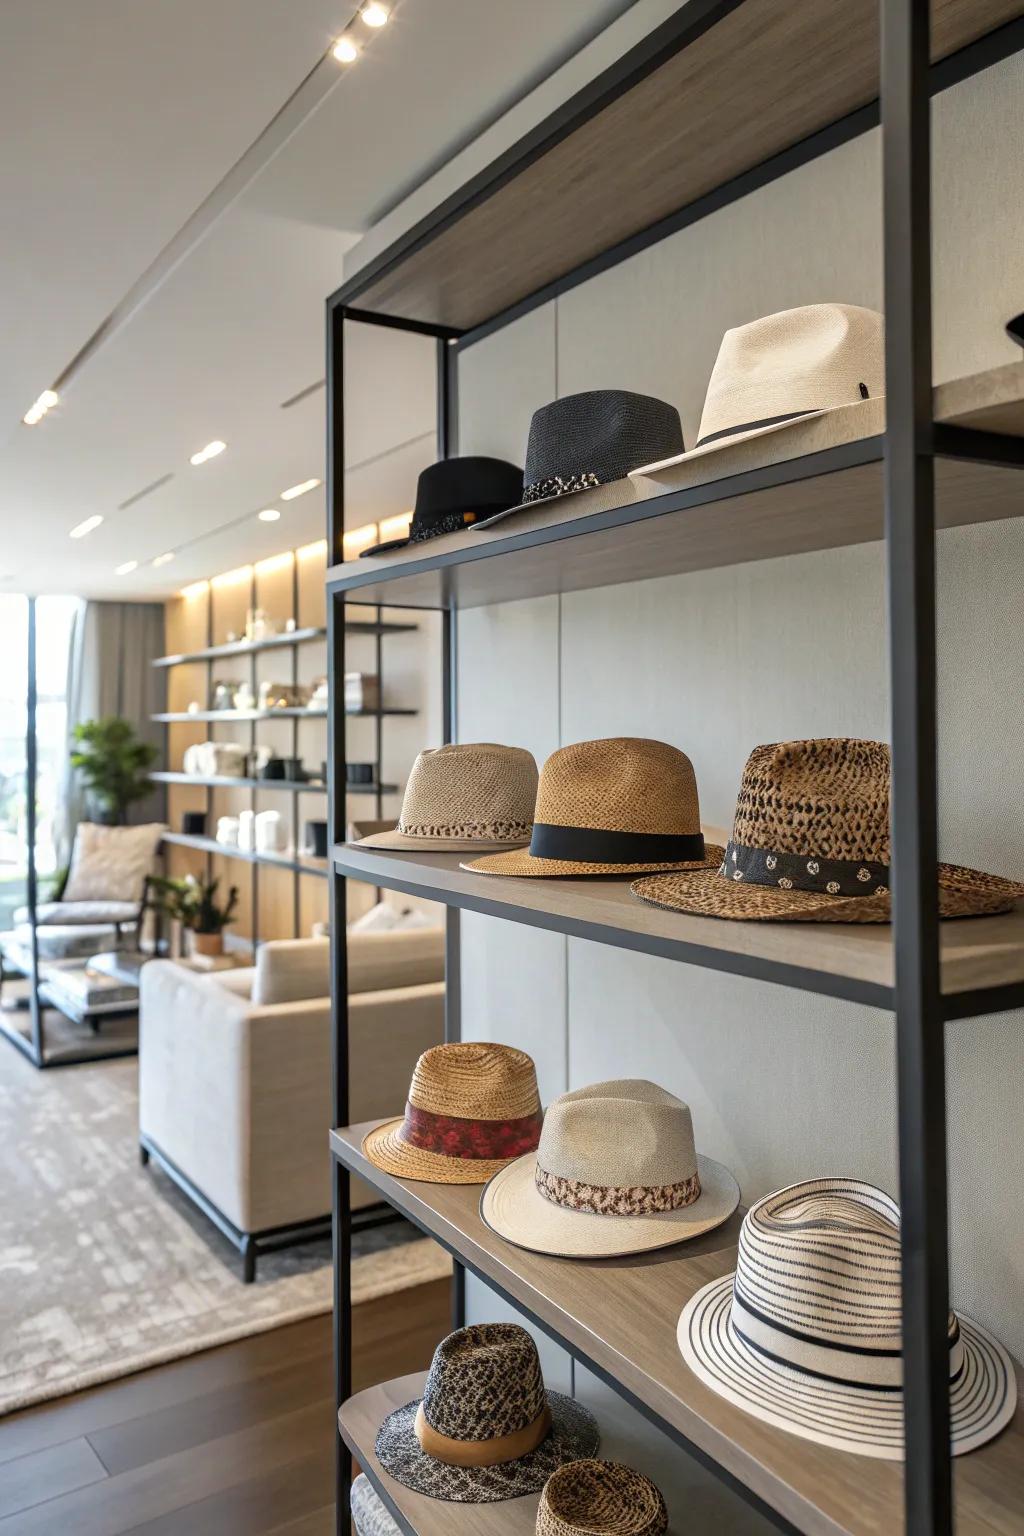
300	864
788	494
415	1514
277	642
293	786
246	716
729	87
837	959
619	1317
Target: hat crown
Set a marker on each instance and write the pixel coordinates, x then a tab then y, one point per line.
626	1133
468	483
484	1381
478	789
600	1498
620	784
603	433
475	1080
826	798
813	358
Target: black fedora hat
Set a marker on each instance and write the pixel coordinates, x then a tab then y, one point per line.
453	494
591	439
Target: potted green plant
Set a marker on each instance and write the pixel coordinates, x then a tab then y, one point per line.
193	903
114	765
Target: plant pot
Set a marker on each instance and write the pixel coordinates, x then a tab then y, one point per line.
207	944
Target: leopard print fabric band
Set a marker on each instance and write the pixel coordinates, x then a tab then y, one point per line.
617	1200
471	831
559	485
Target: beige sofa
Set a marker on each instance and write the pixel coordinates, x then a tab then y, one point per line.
235	1073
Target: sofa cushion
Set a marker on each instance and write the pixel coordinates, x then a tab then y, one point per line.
67	914
292	971
405	957
111	863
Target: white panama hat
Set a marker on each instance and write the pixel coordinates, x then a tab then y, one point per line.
806	1334
787	368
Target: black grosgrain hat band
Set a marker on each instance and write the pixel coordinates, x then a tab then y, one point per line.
751	426
804	872
595	845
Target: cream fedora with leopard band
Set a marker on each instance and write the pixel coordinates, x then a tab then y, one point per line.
786	368
806	1334
463	797
810	843
472	1107
616	1172
617	806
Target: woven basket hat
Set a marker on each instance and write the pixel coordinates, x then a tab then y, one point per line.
471	796
806	1335
592	439
600	1498
785	368
486	1429
613	807
617	1171
810	843
472	1107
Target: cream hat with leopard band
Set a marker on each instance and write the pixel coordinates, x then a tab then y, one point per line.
465	796
616	1172
472	1107
617	806
810	843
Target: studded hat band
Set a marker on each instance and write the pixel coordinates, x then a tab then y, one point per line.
598	845
797	872
451	522
559	485
452	1136
482	1453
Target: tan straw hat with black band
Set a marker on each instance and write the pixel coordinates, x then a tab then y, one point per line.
810	843
785	368
612	807
600	1498
465	796
807	1334
472	1107
616	1172
486	1428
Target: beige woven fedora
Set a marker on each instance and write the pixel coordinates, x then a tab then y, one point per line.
459	797
600	1498
472	1107
806	1334
618	806
785	368
810	843
616	1172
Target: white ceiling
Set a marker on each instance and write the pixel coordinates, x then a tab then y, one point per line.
119	119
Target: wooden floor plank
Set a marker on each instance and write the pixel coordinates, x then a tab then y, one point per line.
58	1469
259	1505
319	1523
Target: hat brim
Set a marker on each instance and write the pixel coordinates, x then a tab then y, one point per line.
846	1418
707	893
573	1436
542	501
733	439
385	1149
512	1206
397	840
522	862
485	514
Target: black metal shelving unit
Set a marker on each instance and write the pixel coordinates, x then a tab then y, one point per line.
894	477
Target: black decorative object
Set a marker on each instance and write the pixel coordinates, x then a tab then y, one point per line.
356	773
193	823
289	769
455	493
1015	329
316	839
593	438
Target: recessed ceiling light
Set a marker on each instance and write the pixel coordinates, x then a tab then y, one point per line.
81	529
47	400
345	51
209	452
374	15
163	559
127	568
269	515
299	490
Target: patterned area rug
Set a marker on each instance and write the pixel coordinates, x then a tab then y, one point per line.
106	1268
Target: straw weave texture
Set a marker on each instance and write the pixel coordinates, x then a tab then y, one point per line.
465	796
600	1498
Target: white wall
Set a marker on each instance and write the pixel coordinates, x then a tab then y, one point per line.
783	1085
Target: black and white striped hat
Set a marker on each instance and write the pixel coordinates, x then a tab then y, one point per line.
806	1334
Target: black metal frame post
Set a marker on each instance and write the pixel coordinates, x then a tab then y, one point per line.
32	883
910	533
